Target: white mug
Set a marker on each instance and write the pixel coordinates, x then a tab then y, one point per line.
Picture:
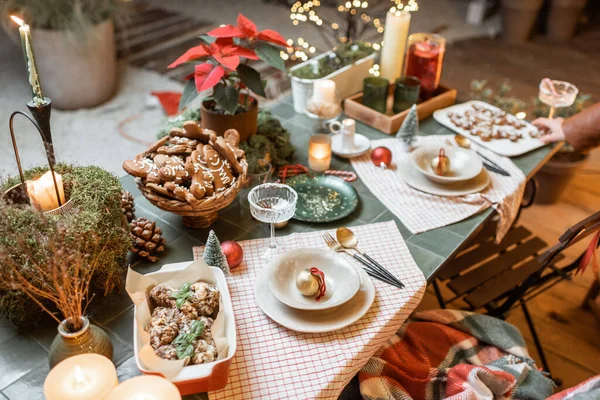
347	128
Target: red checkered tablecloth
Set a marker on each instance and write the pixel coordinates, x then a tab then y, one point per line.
273	362
421	212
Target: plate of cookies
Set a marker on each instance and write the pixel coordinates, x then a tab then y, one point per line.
192	172
184	327
491	127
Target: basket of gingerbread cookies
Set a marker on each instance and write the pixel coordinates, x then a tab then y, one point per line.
191	172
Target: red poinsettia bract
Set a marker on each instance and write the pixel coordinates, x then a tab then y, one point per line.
247	29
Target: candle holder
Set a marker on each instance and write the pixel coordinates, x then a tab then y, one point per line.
40	118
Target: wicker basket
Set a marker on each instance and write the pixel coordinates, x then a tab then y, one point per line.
201	215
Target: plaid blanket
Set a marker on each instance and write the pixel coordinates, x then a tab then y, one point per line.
450	354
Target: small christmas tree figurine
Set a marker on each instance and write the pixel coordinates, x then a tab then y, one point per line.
213	254
409	128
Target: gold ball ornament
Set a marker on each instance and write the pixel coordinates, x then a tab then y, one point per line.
307	283
441	163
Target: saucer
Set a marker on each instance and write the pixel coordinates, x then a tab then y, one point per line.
319	321
361	146
341	278
414	178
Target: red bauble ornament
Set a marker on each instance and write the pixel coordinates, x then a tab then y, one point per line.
234	253
381	156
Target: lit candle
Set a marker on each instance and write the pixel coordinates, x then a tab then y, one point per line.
34	80
394	44
42	194
145	387
319	152
324	91
81	377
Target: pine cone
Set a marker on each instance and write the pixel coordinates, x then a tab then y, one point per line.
147	238
127	205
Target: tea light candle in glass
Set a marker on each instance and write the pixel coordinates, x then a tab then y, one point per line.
406	93
81	377
375	93
319	152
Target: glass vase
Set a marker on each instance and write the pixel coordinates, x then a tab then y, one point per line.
89	339
406	93
424	60
375	93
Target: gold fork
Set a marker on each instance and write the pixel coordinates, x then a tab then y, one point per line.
369	269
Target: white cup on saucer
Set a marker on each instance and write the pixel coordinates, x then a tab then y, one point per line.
346	128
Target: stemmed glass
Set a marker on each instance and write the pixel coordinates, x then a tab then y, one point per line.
557	94
272	203
263	175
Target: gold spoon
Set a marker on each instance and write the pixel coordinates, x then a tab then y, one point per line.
349	240
462	141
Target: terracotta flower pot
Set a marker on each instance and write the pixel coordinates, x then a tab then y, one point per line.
77	72
89	339
563	18
555	175
518	19
246	123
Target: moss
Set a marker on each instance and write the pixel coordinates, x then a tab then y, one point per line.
344	55
96	195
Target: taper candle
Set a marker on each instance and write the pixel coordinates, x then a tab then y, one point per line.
26	43
394	44
81	377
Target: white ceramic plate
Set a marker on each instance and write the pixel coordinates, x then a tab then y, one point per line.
464	164
501	146
341	278
320	321
417	180
361	146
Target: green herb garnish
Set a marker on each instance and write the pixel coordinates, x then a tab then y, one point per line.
184	341
182	294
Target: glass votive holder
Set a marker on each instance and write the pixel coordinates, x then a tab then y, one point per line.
375	92
319	152
406	93
424	59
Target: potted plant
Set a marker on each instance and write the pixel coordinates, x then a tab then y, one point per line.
563	18
74	46
518	19
347	66
219	68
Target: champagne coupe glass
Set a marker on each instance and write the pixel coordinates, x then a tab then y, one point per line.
557	94
272	203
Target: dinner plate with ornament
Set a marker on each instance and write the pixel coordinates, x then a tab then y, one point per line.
314	321
312	279
322	198
490	127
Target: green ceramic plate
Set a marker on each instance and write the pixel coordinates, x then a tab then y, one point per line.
322	198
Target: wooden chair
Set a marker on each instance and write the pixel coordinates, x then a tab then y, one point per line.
500	277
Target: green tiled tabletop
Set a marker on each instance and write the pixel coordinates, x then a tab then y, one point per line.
24	355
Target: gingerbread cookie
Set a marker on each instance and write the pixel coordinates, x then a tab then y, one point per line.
191	130
219	168
143	168
224	149
232	137
160	189
179	149
202	180
181	193
171	168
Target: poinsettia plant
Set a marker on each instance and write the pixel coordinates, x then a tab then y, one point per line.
221	64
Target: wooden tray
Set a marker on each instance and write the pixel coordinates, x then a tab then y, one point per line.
390	123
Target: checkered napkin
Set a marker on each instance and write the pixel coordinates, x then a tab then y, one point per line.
421	212
273	362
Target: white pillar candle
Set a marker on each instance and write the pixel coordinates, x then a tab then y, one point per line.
145	387
324	91
394	44
42	193
26	43
81	377
319	152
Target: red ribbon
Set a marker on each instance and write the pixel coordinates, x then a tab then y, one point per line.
590	255
321	278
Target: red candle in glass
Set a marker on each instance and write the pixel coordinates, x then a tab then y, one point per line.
424	60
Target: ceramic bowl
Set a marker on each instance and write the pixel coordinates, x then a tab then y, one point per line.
341	278
464	164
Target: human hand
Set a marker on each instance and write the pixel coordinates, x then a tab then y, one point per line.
553	127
